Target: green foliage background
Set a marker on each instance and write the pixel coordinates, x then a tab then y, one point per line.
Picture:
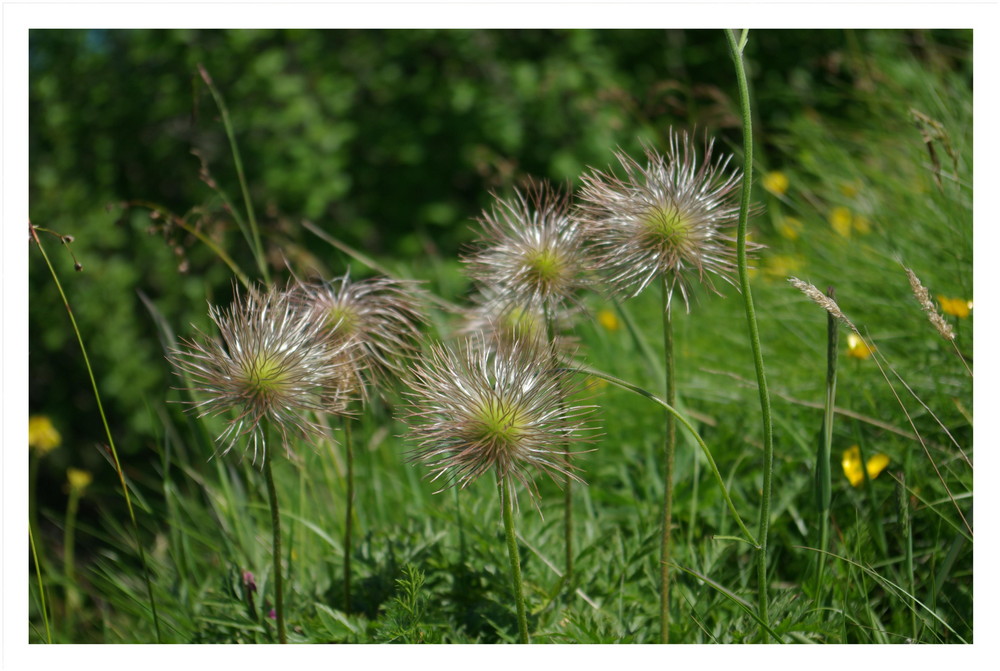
393	140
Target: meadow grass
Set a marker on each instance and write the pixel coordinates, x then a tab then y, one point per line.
889	561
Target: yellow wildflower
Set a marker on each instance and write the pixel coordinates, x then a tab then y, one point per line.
956	307
594	383
775	182
857	347
78	479
840	219
849	189
862	224
42	435
780	266
789	227
851	463
608	320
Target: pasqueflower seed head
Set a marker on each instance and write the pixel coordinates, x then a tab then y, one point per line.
381	314
505	407
671	218
269	365
500	319
531	248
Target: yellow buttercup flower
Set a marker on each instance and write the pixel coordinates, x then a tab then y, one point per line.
862	224
840	219
790	228
775	182
851	463
78	479
609	320
956	307
42	435
857	347
849	189
780	266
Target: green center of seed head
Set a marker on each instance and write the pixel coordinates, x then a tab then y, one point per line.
342	321
545	266
669	224
265	376
520	320
498	422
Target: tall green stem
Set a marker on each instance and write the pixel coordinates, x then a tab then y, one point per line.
107	432
348	515
506	502
550	330
736	50
668	467
253	238
272	496
823	475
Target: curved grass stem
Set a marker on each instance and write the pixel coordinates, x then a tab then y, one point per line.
41	585
736	51
107	431
628	386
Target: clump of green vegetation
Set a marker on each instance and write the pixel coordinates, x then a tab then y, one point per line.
862	173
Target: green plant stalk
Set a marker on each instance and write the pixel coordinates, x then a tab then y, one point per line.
507	504
254	237
348	514
272	497
878	531
72	595
687	425
670	445
903	500
824	486
758	358
567	479
41	585
111	440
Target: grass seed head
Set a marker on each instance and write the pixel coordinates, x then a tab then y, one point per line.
923	297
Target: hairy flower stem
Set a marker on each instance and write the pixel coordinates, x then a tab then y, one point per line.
272	495
111	440
736	52
506	502
668	466
348	515
567	479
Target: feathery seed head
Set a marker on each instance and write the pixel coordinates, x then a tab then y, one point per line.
500	319
671	218
381	314
270	365
477	407
532	249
